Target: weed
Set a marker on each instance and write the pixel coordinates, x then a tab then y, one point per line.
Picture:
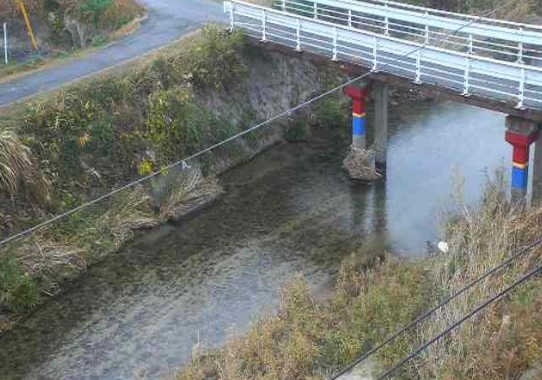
18	291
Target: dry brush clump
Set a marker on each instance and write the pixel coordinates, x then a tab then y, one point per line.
360	165
19	173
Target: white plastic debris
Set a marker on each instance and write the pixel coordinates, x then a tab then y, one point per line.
443	247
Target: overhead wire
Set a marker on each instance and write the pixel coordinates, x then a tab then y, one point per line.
504	264
231	138
452	327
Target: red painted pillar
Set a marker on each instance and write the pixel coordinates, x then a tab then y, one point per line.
359	115
520	134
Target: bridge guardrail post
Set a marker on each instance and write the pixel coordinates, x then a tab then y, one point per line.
232	16
298	35
466	78
375	54
6	59
520	48
418	79
386	21
521	94
264	26
426	29
335	45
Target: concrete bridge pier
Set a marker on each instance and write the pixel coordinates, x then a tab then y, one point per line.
358	94
381	124
536	191
521	133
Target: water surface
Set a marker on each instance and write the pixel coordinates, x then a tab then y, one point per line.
290	210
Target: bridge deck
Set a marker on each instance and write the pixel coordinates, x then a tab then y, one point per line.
512	87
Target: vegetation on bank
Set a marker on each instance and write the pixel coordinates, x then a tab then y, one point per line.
61	150
373	297
67	148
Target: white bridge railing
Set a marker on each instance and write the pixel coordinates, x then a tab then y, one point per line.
387	45
505	40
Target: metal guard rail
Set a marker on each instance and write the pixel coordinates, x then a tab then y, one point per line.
519	42
488	78
438	12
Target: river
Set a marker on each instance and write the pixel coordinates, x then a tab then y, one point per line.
290	210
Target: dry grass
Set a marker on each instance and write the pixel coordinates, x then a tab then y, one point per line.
18	170
360	165
504	340
188	191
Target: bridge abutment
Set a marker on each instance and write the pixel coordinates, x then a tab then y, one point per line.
381	91
521	133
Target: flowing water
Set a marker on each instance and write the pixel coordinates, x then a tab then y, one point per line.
290	210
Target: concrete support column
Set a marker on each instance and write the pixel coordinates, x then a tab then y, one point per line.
520	134
537	171
381	124
359	115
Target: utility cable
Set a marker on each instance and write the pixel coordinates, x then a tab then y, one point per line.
234	137
441	335
443	303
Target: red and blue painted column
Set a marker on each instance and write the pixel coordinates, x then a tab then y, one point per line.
358	94
520	134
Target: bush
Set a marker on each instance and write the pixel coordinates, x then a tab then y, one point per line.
215	61
331	112
18	291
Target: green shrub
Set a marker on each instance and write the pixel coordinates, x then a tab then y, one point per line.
176	125
18	291
298	130
215	61
331	112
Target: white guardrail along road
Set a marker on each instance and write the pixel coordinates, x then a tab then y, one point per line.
493	59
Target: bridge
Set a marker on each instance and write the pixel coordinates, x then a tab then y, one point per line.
481	61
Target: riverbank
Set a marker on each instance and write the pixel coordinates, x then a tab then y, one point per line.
100	134
313	338
288	210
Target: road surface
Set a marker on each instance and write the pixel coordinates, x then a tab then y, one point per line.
167	21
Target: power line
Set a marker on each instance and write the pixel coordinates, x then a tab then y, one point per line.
445	302
234	137
488	302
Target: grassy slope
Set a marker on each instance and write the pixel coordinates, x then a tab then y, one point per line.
307	339
101	133
92	137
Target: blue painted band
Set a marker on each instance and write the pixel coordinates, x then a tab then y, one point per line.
359	126
520	177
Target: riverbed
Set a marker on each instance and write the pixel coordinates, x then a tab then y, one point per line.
290	210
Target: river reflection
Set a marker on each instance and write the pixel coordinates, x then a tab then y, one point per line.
290	210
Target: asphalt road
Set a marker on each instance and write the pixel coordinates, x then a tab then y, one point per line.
167	21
